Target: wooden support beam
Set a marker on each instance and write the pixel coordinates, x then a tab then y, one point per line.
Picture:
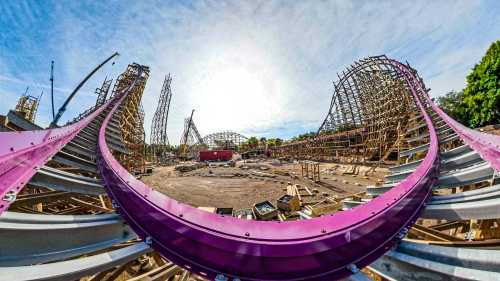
432	234
89	205
99	276
70	211
117	272
35	198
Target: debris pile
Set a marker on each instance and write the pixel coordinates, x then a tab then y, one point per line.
187	167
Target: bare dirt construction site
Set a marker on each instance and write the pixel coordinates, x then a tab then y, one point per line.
247	183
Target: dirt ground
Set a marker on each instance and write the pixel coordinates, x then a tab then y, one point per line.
240	188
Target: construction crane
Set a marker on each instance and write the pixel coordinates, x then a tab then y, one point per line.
190	137
62	109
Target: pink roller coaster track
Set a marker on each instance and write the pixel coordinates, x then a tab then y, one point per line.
324	248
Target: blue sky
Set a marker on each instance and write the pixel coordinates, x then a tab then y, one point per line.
261	68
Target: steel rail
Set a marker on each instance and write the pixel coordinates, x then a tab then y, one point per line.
23	153
28	239
425	147
447	164
469	175
490	244
74	161
444	156
482	203
74	269
60	180
324	248
487	145
415	261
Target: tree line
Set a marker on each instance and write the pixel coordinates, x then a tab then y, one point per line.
479	103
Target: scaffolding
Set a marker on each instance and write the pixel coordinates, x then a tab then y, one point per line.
102	92
27	106
131	121
159	140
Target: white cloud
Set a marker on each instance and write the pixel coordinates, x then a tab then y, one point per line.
260	67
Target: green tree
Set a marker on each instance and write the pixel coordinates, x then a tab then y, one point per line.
481	97
252	142
273	142
452	104
305	136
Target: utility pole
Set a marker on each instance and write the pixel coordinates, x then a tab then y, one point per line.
52	88
62	109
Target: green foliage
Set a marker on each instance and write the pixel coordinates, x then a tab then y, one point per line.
252	142
479	103
273	142
305	136
452	104
481	97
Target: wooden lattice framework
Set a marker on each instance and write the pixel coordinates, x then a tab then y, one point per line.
368	114
27	106
132	116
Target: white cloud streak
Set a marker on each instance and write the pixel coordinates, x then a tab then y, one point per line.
258	67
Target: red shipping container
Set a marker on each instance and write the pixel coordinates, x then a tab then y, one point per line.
216	155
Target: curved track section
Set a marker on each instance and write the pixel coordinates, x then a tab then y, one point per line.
22	154
488	146
324	248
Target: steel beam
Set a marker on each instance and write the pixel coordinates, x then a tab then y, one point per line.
447	164
473	174
482	203
59	180
413	261
425	147
74	269
28	239
444	155
74	161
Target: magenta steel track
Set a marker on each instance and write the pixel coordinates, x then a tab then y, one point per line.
486	145
23	153
324	248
